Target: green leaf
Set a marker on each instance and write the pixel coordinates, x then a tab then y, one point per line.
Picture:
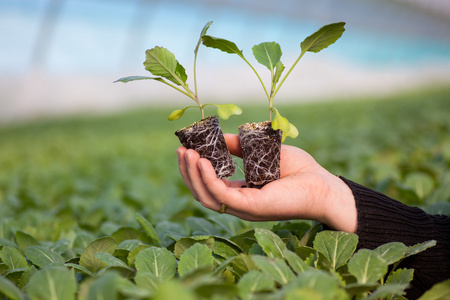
42	256
253	282
105	287
268	54
202	33
279	68
323	38
147	280
13	258
125	233
271	243
295	262
317	280
245	240
359	288
387	290
185	243
133	78
420	182
79	268
173	290
149	229
132	254
400	276
337	246
243	263
392	252
367	266
82	240
26	276
413	250
112	261
225	249
52	283
303	294
130	245
10	290
226	110
25	240
308	238
130	290
438	291
196	257
161	62
280	122
214	290
5	242
158	261
176	114
88	259
222	45
274	267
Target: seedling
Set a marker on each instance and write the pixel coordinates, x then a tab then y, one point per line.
261	142
162	63
269	54
204	136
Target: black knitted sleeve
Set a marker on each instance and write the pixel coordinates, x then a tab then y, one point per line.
382	220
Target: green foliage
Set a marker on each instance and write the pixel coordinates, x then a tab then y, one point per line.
269	55
95	208
162	63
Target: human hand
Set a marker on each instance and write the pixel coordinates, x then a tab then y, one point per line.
305	190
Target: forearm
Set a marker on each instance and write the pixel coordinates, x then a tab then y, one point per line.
382	220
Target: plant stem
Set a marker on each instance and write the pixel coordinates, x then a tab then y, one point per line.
260	80
200	106
287	74
195	75
270	106
188	93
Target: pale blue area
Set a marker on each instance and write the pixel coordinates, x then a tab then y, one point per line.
98	36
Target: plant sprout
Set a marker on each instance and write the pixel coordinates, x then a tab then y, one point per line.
162	63
269	55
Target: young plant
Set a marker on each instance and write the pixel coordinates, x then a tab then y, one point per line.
261	142
204	136
162	63
269	55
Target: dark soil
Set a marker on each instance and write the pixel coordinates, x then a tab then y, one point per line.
261	147
206	137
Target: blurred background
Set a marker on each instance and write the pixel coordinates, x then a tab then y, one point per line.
62	56
81	155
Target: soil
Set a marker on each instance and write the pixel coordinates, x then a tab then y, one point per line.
261	147
206	137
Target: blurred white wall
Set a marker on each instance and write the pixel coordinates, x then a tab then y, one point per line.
62	56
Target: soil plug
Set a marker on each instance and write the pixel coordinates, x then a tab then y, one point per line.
261	153
207	139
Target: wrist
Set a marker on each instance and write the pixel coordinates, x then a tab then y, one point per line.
340	211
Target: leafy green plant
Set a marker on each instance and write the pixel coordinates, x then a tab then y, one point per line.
269	55
162	63
131	263
71	187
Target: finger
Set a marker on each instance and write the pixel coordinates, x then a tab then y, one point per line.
233	144
237	184
199	190
223	192
182	166
191	157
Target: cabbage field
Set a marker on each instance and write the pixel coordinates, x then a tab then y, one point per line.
93	207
